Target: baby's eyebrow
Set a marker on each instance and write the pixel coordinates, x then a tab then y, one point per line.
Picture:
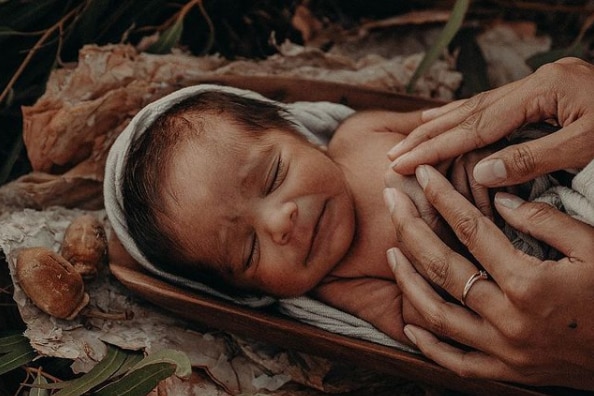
255	166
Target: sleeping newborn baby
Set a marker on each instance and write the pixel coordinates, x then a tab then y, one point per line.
239	192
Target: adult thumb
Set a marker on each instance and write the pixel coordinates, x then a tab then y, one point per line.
509	166
567	148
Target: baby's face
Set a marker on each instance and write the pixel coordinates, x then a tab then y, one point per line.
273	212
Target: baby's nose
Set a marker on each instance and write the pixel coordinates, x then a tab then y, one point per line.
281	223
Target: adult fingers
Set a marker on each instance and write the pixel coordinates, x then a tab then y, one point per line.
470	125
444	318
405	122
569	147
410	186
483	239
465	363
434	259
437	121
494	114
430	114
543	222
453	323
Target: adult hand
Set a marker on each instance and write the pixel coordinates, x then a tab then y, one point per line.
531	322
409	186
559	91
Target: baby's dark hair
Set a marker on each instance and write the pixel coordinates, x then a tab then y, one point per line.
153	153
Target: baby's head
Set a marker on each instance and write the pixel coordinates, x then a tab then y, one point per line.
224	189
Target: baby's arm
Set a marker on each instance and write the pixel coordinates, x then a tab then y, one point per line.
377	301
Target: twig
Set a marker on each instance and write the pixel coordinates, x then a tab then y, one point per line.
39	371
6	289
48	32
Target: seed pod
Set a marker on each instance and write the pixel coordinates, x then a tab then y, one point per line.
51	282
85	245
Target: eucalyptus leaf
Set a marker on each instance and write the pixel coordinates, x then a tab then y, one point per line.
104	370
8	31
35	391
21	354
168	39
139	382
444	39
132	359
10	342
171	356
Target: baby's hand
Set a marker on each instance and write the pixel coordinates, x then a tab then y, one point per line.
461	177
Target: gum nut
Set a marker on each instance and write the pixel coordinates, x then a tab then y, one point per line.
51	282
85	245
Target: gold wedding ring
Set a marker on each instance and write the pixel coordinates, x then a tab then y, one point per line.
470	282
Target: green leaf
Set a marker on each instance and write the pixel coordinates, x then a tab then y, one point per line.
131	360
171	356
7	31
9	342
168	39
139	382
102	371
20	354
445	37
39	380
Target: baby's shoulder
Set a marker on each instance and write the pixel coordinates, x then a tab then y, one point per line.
352	133
357	126
366	133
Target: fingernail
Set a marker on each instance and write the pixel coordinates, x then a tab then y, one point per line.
392	260
394	163
508	200
394	150
398	160
389	198
429	114
409	334
422	175
490	171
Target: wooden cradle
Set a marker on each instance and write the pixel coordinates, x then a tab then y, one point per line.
288	333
